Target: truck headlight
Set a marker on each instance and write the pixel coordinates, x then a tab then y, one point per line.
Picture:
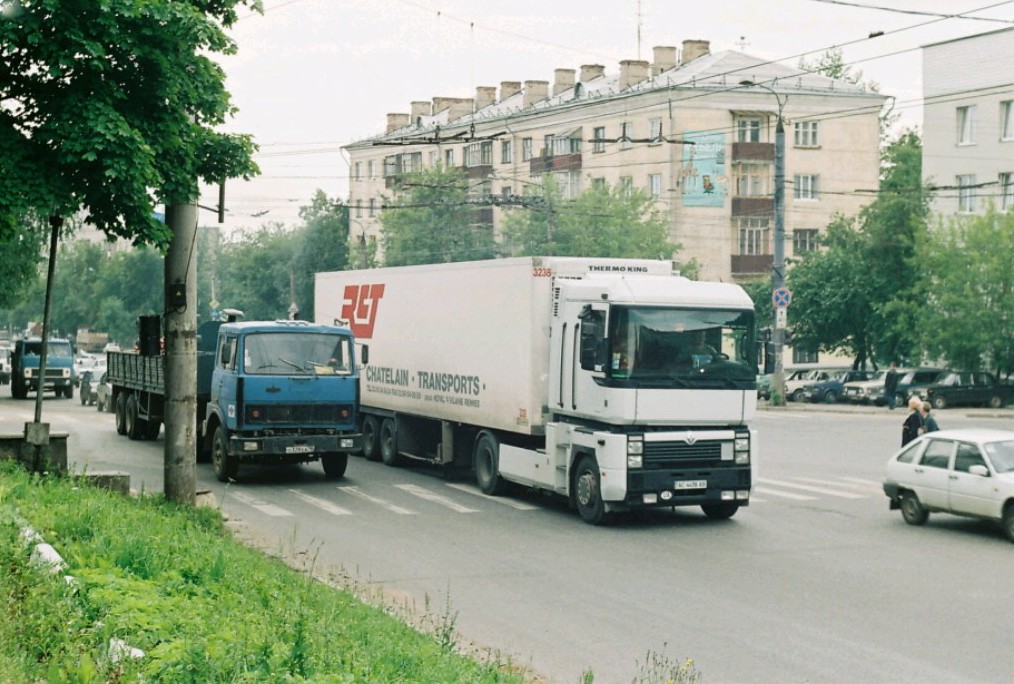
741	447
635	452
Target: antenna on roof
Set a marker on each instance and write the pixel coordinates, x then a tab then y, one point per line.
639	17
742	43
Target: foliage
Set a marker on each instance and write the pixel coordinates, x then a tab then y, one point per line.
429	220
833	65
20	255
323	245
602	221
170	581
111	107
255	272
966	294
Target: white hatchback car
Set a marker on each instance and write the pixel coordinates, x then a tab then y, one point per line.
966	472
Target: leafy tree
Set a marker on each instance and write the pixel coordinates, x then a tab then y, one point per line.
601	221
833	65
255	271
111	107
323	245
966	294
429	221
20	254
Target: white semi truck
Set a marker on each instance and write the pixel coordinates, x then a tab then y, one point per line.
613	382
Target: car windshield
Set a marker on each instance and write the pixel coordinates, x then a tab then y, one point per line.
1002	455
297	353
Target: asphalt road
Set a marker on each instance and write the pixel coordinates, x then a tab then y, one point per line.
816	581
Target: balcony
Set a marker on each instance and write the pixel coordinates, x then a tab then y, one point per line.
753	152
751	264
558	162
753	207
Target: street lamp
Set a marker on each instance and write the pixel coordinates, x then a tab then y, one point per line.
778	267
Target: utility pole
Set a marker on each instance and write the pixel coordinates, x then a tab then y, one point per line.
180	362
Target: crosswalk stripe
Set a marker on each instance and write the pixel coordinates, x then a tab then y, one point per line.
435	498
262	506
816	490
851	483
784	495
355	491
322	504
475	491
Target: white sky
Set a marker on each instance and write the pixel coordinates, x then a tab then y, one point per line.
313	75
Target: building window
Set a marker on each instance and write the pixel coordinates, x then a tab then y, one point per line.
805	133
371	170
411	163
506	152
805	187
566	145
804	355
655	185
966	125
966	193
569	183
359	208
1007	191
506	193
656	130
748	130
625	136
356	170
804	240
479	154
598	183
526	149
547	146
1007	120
434	157
751	180
448	158
627	185
598	139
753	236
372	209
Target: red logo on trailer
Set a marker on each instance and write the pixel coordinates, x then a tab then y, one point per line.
359	308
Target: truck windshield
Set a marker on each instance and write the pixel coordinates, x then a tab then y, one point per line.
55	349
297	353
682	348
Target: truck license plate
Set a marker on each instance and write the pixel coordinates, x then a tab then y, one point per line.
299	449
691	484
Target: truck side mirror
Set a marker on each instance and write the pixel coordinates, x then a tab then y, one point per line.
364	354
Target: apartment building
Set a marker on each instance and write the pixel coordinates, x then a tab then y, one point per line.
694	129
968	122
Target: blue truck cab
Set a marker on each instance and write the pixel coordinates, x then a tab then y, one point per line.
282	392
25	361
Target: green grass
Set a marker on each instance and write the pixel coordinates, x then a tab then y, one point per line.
172	581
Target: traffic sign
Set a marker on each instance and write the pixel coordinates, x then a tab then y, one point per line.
781	297
780	318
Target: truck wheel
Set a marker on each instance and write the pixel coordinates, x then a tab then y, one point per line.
68	392
588	491
17	390
151	429
720	511
389	443
121	414
487	465
334	465
224	465
135	426
371	438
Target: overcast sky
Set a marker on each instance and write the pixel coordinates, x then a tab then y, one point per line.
313	75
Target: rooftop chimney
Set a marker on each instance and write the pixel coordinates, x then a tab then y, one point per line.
396	121
484	96
535	91
420	108
457	106
591	71
692	49
509	88
632	71
563	79
665	59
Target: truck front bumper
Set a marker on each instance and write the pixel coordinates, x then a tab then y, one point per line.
688	487
291	448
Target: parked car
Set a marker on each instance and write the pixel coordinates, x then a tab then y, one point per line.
797	379
87	387
103	394
830	389
764	386
961	388
870	391
915	382
966	472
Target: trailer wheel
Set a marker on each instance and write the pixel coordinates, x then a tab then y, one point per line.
588	491
334	465
389	443
134	425
151	429
371	438
226	467
487	465
120	408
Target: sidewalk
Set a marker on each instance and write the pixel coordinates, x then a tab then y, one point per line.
965	411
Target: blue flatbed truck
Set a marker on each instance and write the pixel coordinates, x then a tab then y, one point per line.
268	392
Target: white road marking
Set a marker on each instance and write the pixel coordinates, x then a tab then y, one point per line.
849	483
435	498
355	491
475	491
784	495
816	490
322	504
262	506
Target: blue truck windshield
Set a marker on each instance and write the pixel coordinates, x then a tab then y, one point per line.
297	353
55	349
698	348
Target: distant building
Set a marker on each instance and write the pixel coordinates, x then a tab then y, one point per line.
968	122
631	128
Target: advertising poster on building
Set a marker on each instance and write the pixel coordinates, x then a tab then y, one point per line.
704	179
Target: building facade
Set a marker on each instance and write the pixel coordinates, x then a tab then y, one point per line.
695	130
968	123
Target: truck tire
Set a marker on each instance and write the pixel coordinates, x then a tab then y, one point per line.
720	511
135	426
334	465
151	429
68	392
487	465
225	466
587	490
371	438
120	408
18	390
389	443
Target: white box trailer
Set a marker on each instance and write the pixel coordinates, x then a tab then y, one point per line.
613	382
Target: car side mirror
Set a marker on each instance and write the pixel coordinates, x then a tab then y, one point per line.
979	470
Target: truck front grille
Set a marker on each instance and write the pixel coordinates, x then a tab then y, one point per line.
664	455
298	414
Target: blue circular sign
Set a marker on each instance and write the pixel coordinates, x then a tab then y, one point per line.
781	297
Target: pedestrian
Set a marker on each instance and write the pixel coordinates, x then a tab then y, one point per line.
929	423
912	426
891	385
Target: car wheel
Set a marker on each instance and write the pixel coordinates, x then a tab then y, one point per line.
995	402
797	395
830	397
225	466
939	403
912	510
1008	520
588	491
334	465
720	511
389	443
487	465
